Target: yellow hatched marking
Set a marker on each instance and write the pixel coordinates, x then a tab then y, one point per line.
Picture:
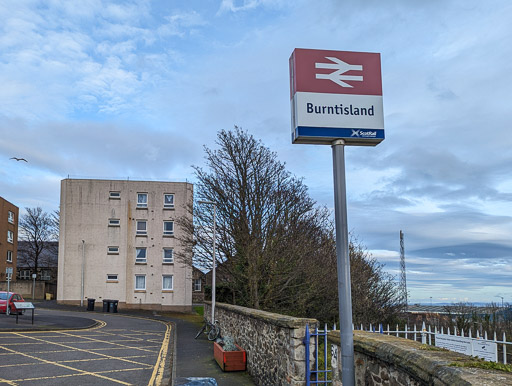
66	367
102	341
73	360
82	374
87	351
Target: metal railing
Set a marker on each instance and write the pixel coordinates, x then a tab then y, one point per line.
426	335
319	375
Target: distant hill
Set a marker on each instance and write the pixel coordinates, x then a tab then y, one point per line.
468	251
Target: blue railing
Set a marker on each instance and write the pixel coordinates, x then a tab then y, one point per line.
320	375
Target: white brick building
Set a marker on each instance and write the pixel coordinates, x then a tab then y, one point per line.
123	234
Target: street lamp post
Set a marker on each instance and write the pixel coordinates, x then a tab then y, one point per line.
33	285
213	257
82	286
498	296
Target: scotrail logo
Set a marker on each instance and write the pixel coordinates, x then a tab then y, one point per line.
364	133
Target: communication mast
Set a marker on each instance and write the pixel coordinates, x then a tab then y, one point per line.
403	279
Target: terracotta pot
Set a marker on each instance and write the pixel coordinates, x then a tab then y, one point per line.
230	360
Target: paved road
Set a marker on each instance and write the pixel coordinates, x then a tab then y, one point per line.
120	349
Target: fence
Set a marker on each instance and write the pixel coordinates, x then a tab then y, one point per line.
427	336
321	372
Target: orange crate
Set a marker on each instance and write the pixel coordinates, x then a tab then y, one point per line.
230	360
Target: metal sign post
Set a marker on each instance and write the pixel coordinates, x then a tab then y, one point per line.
343	264
336	99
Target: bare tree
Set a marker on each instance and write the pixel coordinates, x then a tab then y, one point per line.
275	248
39	233
264	218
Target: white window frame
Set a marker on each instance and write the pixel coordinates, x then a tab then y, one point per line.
169	232
141	260
10	217
141	204
200	285
25	274
10	237
114	222
141	232
140	288
112	277
167	260
166	204
9	256
114	195
163	282
113	250
45	274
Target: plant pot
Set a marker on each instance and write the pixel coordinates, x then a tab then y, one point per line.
230	360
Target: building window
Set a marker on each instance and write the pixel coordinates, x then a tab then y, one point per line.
168	200
9	256
142	200
142	227
10	217
25	274
168	228
167	282
197	284
114	222
140	255
113	251
168	255
112	277
140	282
45	274
10	237
114	195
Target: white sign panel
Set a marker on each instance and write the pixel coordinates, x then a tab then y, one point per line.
484	349
454	343
23	305
334	356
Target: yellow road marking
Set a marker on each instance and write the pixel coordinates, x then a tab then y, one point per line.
79	375
83	350
158	371
102	341
8	382
72	360
66	367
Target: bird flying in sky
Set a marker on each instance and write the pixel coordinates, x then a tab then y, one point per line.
19	159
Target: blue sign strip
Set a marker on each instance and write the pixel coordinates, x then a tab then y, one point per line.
328	132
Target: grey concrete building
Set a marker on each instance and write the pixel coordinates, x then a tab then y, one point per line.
118	240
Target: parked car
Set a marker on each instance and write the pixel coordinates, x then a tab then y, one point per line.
10	298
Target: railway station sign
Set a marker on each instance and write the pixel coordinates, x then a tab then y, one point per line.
336	95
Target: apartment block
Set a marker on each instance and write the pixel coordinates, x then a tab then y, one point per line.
119	240
9	214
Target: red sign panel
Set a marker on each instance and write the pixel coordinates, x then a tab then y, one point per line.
335	72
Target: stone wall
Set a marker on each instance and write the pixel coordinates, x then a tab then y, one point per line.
386	360
24	288
273	342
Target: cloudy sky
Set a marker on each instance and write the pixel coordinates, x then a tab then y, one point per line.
117	89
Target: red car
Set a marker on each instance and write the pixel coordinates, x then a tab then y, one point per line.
13	298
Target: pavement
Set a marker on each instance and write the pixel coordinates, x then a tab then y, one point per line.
191	360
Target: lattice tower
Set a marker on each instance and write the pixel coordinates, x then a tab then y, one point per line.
403	279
